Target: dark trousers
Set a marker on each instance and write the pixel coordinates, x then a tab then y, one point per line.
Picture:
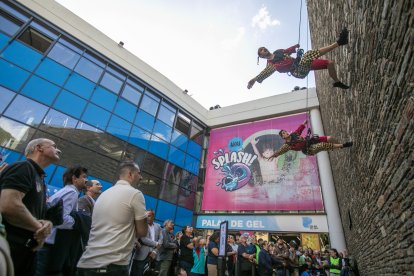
61	257
23	259
137	268
110	270
186	266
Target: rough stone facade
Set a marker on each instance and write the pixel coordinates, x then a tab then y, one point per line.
374	180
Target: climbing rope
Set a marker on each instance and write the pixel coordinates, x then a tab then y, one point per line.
309	137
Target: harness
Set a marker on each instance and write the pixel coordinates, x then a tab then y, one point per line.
309	140
279	55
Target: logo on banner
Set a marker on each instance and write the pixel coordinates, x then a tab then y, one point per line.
235	165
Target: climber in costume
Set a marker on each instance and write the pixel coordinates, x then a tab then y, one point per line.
296	142
281	61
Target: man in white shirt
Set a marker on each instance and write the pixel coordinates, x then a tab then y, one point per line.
63	242
119	217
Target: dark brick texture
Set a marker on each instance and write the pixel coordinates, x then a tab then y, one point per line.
373	180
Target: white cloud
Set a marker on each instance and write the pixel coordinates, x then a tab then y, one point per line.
263	20
231	43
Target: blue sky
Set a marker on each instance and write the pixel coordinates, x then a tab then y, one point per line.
208	47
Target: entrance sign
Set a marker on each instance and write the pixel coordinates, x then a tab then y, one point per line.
288	223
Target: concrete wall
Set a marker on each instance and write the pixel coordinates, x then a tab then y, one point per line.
374	180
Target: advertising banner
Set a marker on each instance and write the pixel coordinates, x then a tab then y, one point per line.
278	223
240	177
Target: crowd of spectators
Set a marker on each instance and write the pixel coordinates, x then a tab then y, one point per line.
112	233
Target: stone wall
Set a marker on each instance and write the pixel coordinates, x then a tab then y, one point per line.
374	180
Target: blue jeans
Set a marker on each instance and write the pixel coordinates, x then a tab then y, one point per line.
110	270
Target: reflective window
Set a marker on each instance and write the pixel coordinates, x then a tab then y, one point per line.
172	174
154	165
71	45
179	140
35	39
149	104
5	97
166	115
119	128
86	127
196	133
96	116
150	202
116	72
44	30
70	104
191	164
131	94
162	131
92	57
58	124
9	24
135	154
176	156
26	111
144	120
125	110
106	167
150	184
137	85
40	90
189	181
183	217
165	211
89	69
194	149
111	82
8	156
14	135
168	191
20	54
4	39
186	198
98	141
49	172
158	147
12	76
80	85
64	55
10	10
183	123
140	137
57	179
104	98
53	71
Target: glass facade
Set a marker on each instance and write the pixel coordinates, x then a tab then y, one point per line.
97	113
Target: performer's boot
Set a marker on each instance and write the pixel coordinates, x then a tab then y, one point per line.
347	144
341	85
343	37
